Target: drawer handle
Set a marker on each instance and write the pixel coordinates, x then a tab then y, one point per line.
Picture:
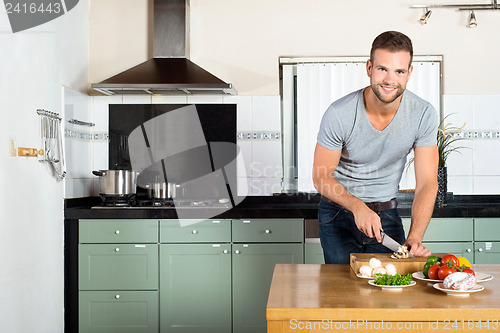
194	232
117	232
225	251
117	249
480	250
268	231
468	250
117	296
237	252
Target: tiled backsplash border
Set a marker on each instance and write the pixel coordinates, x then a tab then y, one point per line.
484	134
258	135
85	135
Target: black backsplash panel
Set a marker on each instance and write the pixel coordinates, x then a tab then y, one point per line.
218	123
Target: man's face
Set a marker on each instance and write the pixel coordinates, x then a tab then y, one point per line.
389	73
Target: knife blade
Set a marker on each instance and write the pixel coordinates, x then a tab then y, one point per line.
391	244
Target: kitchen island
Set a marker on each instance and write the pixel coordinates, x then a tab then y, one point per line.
330	298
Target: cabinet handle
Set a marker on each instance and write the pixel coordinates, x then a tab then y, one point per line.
194	232
117	232
468	250
226	251
480	250
237	252
268	231
117	296
117	249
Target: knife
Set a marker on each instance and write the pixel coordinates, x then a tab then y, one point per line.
390	243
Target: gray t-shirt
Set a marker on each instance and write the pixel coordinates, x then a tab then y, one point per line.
372	162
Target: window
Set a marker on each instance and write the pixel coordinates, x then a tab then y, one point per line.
310	85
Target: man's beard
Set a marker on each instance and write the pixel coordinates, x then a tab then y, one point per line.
385	98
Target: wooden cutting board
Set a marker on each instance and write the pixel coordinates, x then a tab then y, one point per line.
403	266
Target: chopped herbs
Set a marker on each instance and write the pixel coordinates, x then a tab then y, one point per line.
392	280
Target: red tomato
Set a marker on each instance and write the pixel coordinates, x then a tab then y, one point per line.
468	270
433	272
450	257
444	271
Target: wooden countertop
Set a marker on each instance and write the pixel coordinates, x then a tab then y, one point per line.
315	293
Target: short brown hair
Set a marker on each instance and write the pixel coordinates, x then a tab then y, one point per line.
392	41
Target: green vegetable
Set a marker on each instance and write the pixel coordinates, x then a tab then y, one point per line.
434	260
392	280
426	269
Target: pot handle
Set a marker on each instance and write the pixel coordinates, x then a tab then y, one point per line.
98	173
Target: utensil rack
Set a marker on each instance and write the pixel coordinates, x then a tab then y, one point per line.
51	132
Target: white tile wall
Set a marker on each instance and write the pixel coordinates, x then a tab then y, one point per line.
474	170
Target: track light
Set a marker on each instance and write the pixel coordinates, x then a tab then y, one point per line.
472	20
426	16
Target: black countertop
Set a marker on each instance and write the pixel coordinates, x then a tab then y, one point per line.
301	205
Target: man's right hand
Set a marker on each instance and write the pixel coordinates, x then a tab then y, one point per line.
368	222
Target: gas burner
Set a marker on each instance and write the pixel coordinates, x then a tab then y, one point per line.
155	203
117	201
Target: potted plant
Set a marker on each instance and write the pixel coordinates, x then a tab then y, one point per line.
445	143
446	137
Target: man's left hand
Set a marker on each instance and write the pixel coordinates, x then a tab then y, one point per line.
417	249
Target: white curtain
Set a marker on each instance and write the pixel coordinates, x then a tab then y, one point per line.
319	84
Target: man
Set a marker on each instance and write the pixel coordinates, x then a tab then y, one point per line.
360	156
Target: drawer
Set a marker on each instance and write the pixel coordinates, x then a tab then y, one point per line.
195	231
118	312
268	230
118	266
486	229
445	229
118	231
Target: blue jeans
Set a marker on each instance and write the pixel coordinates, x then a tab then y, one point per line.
340	237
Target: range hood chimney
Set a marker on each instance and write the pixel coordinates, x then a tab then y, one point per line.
170	72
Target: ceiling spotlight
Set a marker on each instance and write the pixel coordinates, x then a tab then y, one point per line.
426	16
472	20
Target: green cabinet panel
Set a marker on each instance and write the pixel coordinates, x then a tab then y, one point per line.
487	252
268	230
446	229
486	229
253	266
195	231
118	312
313	253
464	249
118	231
195	284
118	266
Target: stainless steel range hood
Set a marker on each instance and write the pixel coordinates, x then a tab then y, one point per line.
170	72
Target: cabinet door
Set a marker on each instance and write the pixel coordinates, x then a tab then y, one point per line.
313	253
195	283
118	266
487	252
486	229
464	249
446	229
268	231
118	312
253	266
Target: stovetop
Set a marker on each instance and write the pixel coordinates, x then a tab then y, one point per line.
146	203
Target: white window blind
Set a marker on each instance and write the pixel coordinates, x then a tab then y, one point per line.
319	83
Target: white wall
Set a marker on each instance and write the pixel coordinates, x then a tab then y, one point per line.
34	67
241	42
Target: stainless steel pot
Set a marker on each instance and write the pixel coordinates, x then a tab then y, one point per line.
117	182
162	190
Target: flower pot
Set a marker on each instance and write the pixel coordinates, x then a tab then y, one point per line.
441	199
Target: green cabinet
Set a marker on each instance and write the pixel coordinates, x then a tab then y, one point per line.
118	276
486	249
253	267
118	267
448	235
313	253
195	276
118	311
268	230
